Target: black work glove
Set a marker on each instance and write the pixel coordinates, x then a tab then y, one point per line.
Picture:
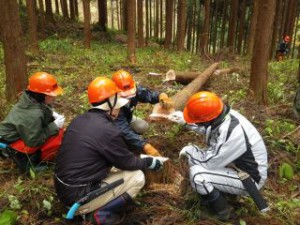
153	163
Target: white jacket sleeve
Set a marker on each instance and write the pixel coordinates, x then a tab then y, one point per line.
221	152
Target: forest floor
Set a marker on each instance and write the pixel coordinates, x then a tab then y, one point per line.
163	201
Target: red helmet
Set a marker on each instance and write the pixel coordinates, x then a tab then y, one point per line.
125	83
44	83
202	107
287	38
101	89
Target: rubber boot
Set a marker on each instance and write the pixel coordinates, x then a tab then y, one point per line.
218	204
112	212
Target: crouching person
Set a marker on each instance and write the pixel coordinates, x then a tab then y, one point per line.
93	154
32	130
231	140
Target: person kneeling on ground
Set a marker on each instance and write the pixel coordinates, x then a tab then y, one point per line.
32	129
231	139
131	126
93	154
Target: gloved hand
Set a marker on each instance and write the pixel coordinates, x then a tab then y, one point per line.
150	150
56	115
59	121
191	150
154	163
177	117
165	101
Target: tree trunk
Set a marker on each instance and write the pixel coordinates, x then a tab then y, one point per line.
259	62
131	7
56	7
232	24
205	32
141	40
241	26
186	77
182	96
102	10
156	28
32	25
169	23
43	19
278	18
14	52
252	32
125	15
72	9
76	8
181	24
87	22
189	26
147	22
112	13
223	26
64	8
49	12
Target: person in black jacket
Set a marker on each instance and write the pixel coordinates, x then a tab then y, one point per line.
131	126
283	48
94	153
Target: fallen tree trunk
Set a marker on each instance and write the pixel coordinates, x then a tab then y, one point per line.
179	99
187	77
182	96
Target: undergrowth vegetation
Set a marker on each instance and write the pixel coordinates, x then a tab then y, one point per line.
33	197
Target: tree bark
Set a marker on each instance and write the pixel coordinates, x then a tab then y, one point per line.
186	77
252	32
241	27
56	7
181	24
141	40
72	9
49	12
131	7
32	25
102	10
232	24
125	15
205	32
14	51
64	8
278	18
259	62
182	96
87	22
169	23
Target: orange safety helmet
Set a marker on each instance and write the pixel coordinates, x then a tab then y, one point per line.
44	83
287	38
202	107
125	82
101	89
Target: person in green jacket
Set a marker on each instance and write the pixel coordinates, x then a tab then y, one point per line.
32	129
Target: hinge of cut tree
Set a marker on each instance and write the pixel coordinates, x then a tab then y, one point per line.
187	77
182	96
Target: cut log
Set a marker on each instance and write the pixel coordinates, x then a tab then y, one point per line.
187	77
182	96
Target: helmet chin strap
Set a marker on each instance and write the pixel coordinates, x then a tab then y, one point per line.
111	106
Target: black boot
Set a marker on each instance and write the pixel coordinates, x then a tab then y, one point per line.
112	213
218	204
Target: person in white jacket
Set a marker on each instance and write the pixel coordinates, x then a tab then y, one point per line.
231	140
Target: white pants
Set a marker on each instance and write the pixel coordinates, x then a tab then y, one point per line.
225	180
134	181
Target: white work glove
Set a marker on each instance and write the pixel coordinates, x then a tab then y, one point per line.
56	115
177	117
189	150
59	121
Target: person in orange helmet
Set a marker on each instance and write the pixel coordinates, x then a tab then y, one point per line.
283	48
94	155
32	129
231	139
131	126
